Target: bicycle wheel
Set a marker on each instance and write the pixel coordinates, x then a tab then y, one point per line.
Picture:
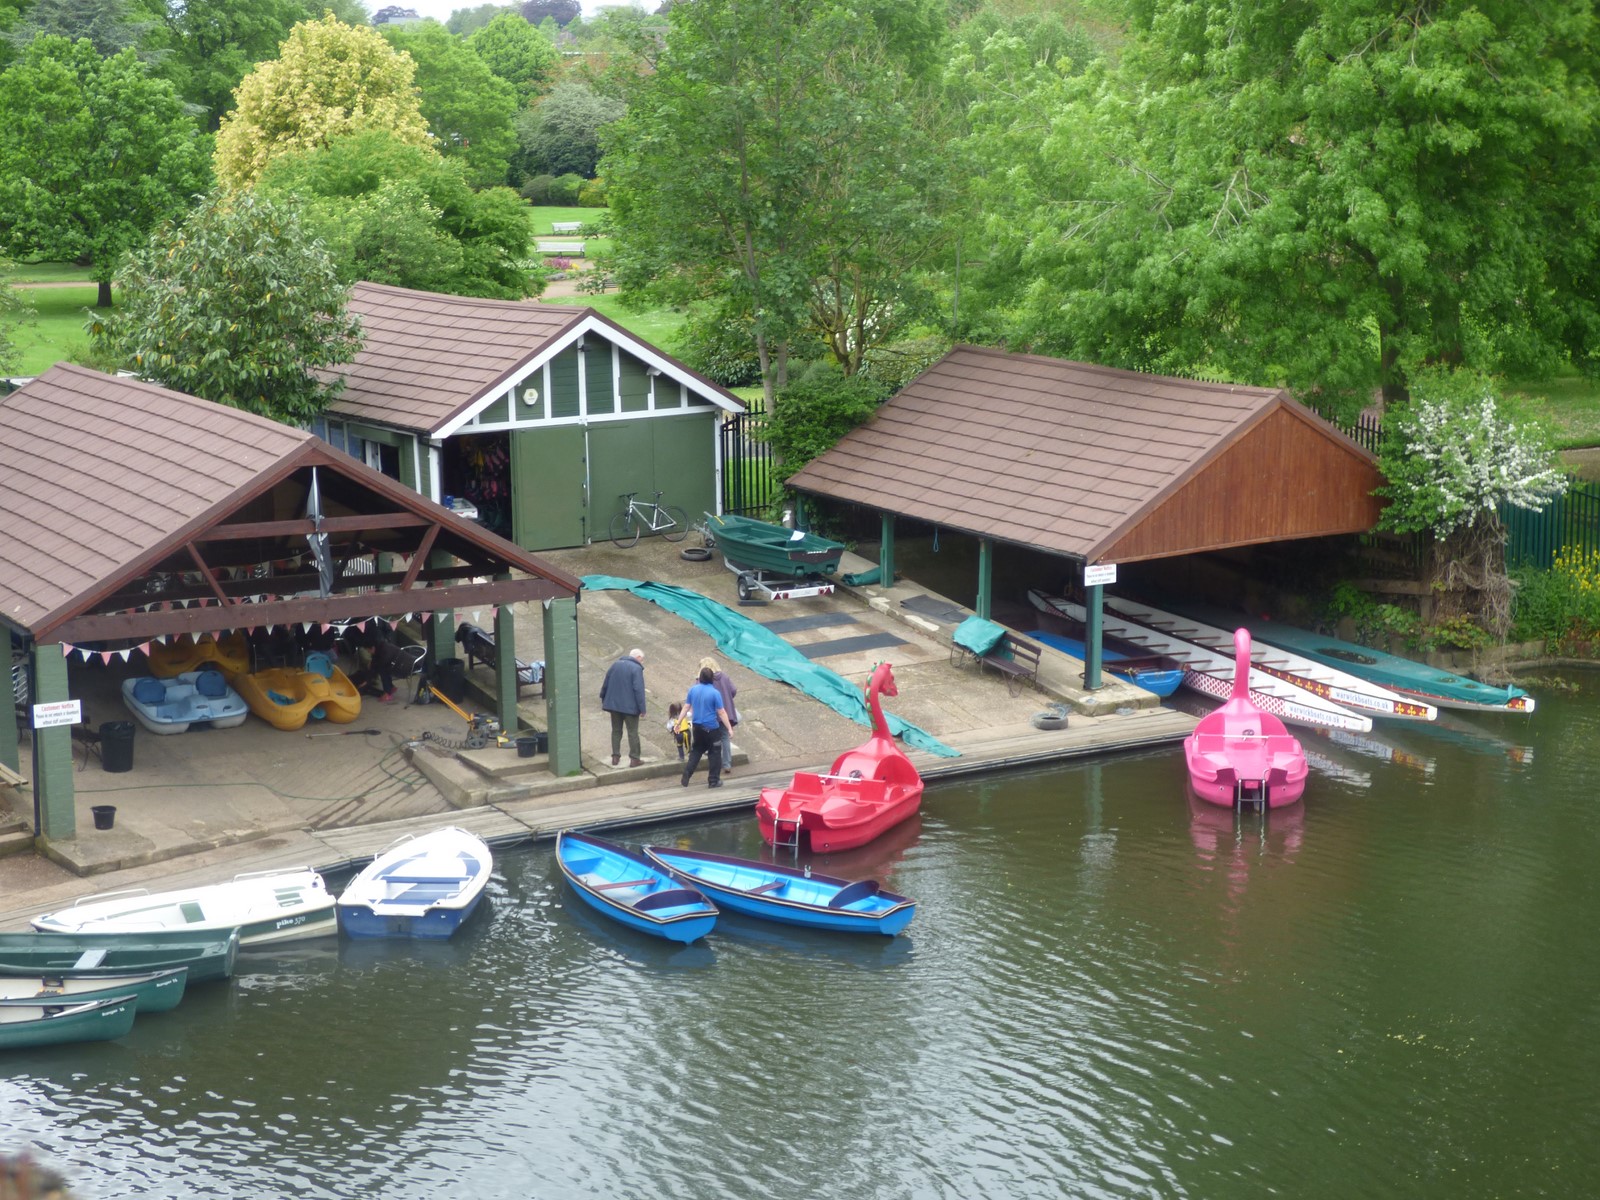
679	529
625	530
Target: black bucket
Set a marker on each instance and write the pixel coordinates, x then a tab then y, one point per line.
450	679
530	744
105	815
116	745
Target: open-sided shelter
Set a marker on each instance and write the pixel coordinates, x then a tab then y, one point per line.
129	513
539	416
1097	465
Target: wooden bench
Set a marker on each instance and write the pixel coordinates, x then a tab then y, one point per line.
1015	658
559	227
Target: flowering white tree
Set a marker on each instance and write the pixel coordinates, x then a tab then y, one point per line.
1451	457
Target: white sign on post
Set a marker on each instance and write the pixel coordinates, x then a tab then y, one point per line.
57	712
1099	574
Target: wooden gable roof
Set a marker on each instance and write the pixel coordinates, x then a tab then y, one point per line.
429	360
1099	464
109	486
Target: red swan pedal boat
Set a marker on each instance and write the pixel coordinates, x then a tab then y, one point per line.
868	790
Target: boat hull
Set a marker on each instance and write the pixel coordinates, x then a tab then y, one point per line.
155	991
184	654
286	698
758	546
633	891
206	957
265	908
1161	681
29	1023
831	813
180	705
788	895
423	887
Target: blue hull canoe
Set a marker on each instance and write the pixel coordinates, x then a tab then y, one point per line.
1161	681
627	887
788	894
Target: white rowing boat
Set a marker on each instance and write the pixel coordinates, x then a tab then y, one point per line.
1341	687
1211	674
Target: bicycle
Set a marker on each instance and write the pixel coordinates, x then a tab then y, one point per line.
670	521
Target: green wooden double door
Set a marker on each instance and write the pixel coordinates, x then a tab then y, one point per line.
567	481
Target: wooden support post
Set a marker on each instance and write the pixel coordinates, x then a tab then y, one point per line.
54	794
985	577
505	668
886	552
10	746
561	685
441	632
1094	618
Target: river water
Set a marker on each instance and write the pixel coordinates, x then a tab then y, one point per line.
1109	990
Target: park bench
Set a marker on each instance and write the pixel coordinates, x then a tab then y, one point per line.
566	226
989	645
559	246
478	645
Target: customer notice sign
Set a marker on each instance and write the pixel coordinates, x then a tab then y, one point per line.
57	712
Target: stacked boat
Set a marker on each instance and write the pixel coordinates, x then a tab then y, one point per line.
1300	677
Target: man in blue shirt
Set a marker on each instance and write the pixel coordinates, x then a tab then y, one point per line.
710	720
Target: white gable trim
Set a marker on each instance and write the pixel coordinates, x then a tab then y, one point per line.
590	326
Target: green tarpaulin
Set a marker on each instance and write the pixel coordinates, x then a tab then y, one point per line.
746	642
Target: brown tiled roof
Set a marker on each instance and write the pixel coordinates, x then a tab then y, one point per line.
1058	455
96	471
426	356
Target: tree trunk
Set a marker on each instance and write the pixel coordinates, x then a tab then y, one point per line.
1467	576
103	300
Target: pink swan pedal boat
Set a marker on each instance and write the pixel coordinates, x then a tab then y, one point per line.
1240	756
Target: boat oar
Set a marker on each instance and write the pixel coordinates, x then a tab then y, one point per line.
344	733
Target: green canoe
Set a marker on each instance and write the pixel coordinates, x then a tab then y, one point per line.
207	956
26	1023
156	991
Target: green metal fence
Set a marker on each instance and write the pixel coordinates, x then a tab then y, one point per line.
1573	519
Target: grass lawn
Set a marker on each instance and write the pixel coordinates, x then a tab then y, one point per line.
658	326
56	333
546	215
1568	403
44	273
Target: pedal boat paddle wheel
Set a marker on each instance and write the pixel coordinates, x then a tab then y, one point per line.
869	790
1240	756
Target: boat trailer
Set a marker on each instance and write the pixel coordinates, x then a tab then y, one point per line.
761	587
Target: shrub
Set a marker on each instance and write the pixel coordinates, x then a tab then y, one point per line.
721	345
566	189
1560	606
592	194
537	189
818	409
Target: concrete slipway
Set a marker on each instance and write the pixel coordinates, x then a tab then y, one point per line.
202	807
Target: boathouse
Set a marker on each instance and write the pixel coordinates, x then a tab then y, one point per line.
536	417
1096	466
132	514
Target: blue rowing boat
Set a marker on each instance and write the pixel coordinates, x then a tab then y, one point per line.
628	887
1163	681
789	894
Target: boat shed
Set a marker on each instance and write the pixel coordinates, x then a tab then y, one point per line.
133	514
536	417
1097	465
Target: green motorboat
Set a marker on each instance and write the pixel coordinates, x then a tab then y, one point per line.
207	956
156	991
25	1023
753	545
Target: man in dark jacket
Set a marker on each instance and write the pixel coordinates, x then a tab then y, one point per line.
622	695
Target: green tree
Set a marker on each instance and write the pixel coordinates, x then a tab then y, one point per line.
468	107
112	25
329	79
234	304
94	153
395	213
14	312
464	22
560	134
816	184
516	52
1329	194
211	45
